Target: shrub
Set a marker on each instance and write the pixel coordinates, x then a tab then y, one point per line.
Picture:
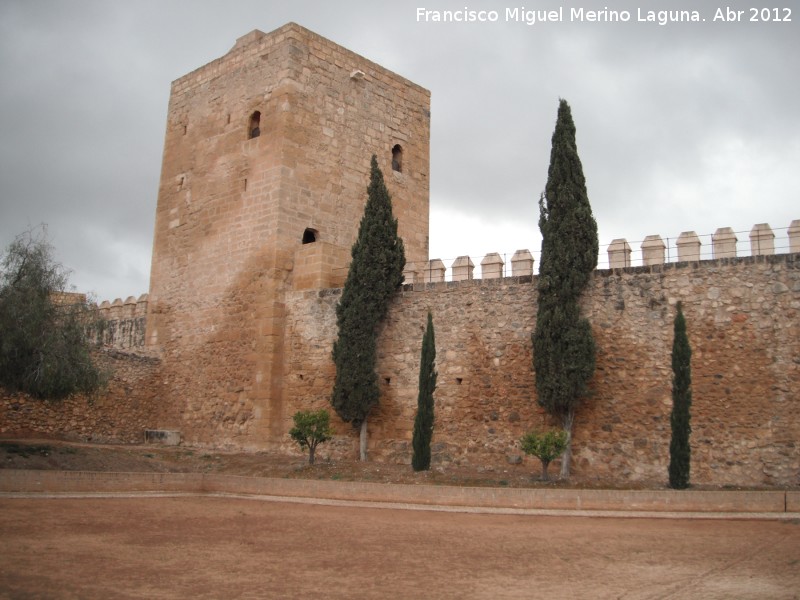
311	429
44	347
546	446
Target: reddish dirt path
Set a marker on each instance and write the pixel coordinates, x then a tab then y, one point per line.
232	548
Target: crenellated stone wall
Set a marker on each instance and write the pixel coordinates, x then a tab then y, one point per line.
742	316
689	246
654	250
122	325
265	166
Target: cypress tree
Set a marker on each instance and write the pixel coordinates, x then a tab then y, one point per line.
679	449
376	272
563	346
423	423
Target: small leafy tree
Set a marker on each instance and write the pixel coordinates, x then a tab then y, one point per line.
423	422
310	430
563	345
44	347
680	420
374	277
546	446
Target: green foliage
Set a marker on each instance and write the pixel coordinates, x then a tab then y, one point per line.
563	346
376	272
564	357
310	430
569	231
546	446
680	419
423	422
44	349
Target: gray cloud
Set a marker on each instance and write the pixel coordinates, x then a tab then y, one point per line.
681	126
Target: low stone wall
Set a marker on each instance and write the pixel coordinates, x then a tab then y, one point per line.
777	503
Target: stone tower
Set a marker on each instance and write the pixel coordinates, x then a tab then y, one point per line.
263	184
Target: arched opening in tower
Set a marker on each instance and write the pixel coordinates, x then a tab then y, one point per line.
397	158
309	236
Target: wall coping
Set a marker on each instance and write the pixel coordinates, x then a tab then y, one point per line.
777	504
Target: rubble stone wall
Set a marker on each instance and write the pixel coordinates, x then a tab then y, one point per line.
742	318
129	404
743	321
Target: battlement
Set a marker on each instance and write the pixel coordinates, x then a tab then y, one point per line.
131	308
724	244
122	324
654	250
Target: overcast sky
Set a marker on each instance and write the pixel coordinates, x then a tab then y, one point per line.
681	126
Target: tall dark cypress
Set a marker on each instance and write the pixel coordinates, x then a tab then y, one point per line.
423	423
563	346
680	452
375	274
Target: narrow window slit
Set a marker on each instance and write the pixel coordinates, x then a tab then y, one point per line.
254	130
397	158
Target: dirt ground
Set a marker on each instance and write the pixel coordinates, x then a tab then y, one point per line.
204	547
233	548
71	456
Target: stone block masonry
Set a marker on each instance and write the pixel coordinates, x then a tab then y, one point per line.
264	175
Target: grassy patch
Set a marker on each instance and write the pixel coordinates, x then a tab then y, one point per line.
24	450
